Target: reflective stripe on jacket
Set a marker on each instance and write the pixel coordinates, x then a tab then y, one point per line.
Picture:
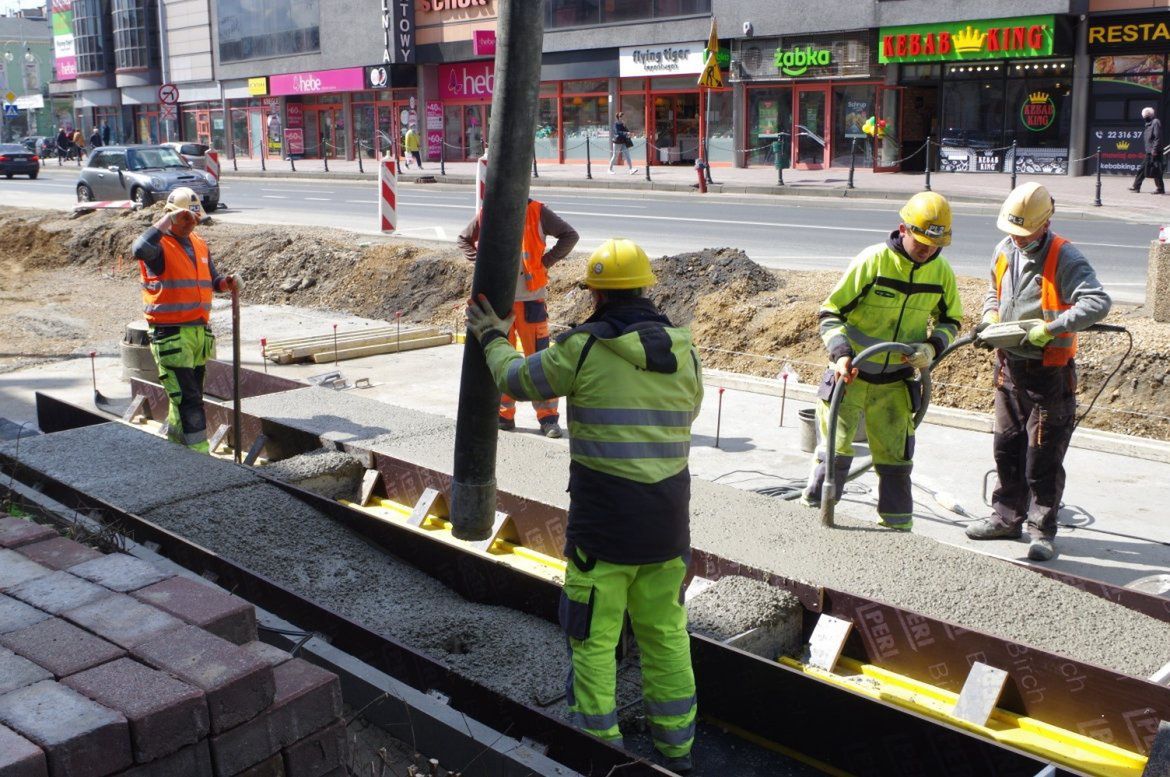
884	296
182	293
1064	346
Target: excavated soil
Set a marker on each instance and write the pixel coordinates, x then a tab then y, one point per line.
67	287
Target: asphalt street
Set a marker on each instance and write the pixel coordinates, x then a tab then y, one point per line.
790	232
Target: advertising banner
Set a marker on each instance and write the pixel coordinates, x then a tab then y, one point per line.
61	12
294	139
658	60
467	81
1013	38
1122	148
434	129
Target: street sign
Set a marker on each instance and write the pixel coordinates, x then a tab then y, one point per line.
168	112
11	111
168	94
10	97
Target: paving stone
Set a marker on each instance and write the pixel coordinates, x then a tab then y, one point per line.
59	553
15	532
192	761
17	672
19	757
60	647
238	685
123	620
80	737
317	754
15	614
271	767
120	572
16	569
165	714
199	604
57	592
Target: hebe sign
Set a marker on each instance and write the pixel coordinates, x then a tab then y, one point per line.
347	80
796	62
467	80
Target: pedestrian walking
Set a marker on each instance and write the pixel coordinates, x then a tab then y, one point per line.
78	141
95	138
1152	164
410	142
178	278
633	384
529	319
891	292
105	133
1037	275
620	144
62	146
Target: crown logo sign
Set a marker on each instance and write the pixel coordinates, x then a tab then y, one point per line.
1123	145
969	40
1038	97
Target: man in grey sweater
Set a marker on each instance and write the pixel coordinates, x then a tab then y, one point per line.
1036	275
1152	143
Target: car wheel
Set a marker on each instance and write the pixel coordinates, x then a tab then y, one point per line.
32	176
140	196
84	193
211	205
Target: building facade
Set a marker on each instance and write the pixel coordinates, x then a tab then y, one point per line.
26	69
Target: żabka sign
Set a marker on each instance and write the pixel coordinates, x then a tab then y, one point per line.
347	80
467	81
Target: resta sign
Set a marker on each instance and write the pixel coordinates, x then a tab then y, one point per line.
796	62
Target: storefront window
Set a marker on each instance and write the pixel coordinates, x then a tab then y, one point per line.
584	118
268	28
853	104
547	145
720	132
769	114
584	87
578	13
1041	112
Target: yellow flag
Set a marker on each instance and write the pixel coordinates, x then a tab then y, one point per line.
712	76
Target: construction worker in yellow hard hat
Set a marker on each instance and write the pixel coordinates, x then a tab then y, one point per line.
891	292
1036	276
633	385
178	278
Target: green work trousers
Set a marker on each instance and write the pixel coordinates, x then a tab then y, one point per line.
181	353
594	603
889	425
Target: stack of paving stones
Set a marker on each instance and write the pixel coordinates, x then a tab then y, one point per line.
110	666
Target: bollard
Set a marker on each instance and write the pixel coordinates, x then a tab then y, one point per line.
588	162
1097	202
778	161
263	153
292	163
388	195
1013	164
211	163
699	167
264	353
325	158
852	165
928	163
719	417
235	167
443	158
535	172
361	169
647	158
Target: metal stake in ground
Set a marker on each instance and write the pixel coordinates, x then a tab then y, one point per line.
335	345
236	415
513	129
719	417
264	353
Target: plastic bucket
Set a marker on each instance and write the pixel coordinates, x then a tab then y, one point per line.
808	429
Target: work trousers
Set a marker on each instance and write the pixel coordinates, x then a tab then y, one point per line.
594	603
531	327
1152	166
889	425
1035	411
181	353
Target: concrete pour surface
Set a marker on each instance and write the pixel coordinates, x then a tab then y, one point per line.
733	605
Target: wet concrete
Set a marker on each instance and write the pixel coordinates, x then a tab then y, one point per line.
332	474
750	615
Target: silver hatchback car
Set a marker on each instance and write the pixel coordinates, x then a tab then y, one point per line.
143	174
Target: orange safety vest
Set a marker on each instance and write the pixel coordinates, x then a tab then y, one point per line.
1064	346
532	248
182	294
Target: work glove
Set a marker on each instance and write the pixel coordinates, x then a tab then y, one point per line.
922	357
481	319
844	369
234	281
1039	335
989	318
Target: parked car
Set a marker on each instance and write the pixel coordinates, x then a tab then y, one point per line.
38	144
193	153
143	174
15	159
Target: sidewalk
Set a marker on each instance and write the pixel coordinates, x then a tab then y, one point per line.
1075	196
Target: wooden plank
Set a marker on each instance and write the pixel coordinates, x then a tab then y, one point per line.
350	334
301	354
374	350
308	349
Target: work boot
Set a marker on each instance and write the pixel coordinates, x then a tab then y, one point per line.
682	764
809	500
904	525
551	429
1042	549
506	424
991	529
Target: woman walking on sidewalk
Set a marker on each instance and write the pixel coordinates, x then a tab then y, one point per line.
620	143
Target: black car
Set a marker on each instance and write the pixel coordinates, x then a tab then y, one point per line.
15	159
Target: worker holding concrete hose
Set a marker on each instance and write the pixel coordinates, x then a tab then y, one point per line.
529	309
892	292
178	277
633	384
1037	276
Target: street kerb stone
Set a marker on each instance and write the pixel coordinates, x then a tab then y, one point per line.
120	572
58	553
192	761
317	754
123	620
237	684
20	757
199	604
61	647
57	592
15	532
15	614
16	569
80	737
165	714
17	672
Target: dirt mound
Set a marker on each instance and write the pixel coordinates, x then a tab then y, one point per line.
744	317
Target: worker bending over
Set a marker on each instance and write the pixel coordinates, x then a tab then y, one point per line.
900	291
1035	274
178	278
633	385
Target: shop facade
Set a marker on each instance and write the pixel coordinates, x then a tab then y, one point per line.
983	90
1130	55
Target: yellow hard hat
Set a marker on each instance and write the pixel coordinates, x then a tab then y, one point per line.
1026	210
184	198
928	217
619	263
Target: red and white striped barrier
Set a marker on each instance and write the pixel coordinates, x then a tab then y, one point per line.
388	199
480	181
211	160
102	204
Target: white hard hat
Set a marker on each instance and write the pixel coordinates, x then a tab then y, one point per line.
184	199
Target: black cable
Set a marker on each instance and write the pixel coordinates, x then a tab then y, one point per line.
1124	357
